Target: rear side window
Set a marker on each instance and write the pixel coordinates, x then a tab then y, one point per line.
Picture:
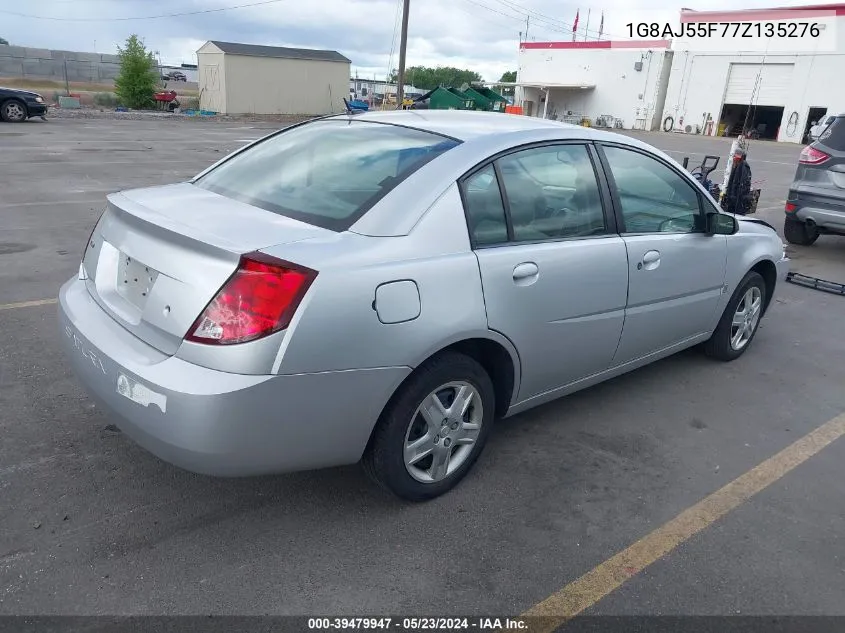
552	193
485	211
833	136
327	173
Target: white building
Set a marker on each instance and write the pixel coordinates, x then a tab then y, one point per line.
625	81
252	79
774	71
366	89
785	82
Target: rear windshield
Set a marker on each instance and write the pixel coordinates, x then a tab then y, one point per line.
327	173
833	136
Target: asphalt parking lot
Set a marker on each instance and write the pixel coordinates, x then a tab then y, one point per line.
92	524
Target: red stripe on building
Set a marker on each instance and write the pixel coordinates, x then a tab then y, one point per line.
760	15
598	44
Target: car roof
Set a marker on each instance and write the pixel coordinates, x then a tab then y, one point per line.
468	125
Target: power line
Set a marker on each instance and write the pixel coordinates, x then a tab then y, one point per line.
491	9
520	17
484	17
144	17
393	40
525	11
554	23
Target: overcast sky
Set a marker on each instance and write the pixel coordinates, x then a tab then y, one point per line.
479	34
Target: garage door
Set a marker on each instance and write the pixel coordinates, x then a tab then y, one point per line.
772	90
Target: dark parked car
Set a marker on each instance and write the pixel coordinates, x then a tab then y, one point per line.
20	105
815	204
174	75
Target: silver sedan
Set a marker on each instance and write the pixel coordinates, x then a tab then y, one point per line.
382	287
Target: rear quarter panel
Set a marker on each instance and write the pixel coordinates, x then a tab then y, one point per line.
338	327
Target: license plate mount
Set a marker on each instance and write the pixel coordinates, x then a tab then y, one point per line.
135	280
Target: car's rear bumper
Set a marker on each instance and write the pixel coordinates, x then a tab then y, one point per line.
825	212
215	422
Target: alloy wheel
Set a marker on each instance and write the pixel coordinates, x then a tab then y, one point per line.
746	317
15	112
443	431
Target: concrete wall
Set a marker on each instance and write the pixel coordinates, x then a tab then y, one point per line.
698	81
266	85
620	90
18	61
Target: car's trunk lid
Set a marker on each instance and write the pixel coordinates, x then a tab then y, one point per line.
159	255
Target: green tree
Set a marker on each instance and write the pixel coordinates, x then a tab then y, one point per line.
509	76
429	78
135	85
4	41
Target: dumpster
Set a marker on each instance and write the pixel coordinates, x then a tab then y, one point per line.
468	102
448	99
486	99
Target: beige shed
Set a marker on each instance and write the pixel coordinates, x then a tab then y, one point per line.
253	79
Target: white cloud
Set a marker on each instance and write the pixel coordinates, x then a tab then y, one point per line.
478	34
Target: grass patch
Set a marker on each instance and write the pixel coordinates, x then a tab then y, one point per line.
190	103
51	87
59	86
106	99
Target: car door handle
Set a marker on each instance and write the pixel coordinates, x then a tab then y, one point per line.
525	272
650	261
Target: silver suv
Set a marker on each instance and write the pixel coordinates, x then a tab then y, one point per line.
815	204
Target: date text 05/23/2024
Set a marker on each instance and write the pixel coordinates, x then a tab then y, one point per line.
701	30
418	624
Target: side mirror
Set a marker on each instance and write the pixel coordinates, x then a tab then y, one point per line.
721	224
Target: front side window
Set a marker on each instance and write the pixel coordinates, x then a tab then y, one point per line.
552	193
654	198
327	173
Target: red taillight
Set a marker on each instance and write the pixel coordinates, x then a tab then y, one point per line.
790	207
811	156
258	299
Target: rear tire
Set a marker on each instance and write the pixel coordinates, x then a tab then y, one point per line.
13	111
740	320
433	429
799	233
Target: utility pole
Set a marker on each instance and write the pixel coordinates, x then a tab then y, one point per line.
403	45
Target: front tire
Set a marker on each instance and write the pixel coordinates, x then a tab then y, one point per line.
798	233
433	429
13	111
740	320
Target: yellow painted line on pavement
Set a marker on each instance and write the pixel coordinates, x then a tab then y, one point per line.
597	583
27	304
